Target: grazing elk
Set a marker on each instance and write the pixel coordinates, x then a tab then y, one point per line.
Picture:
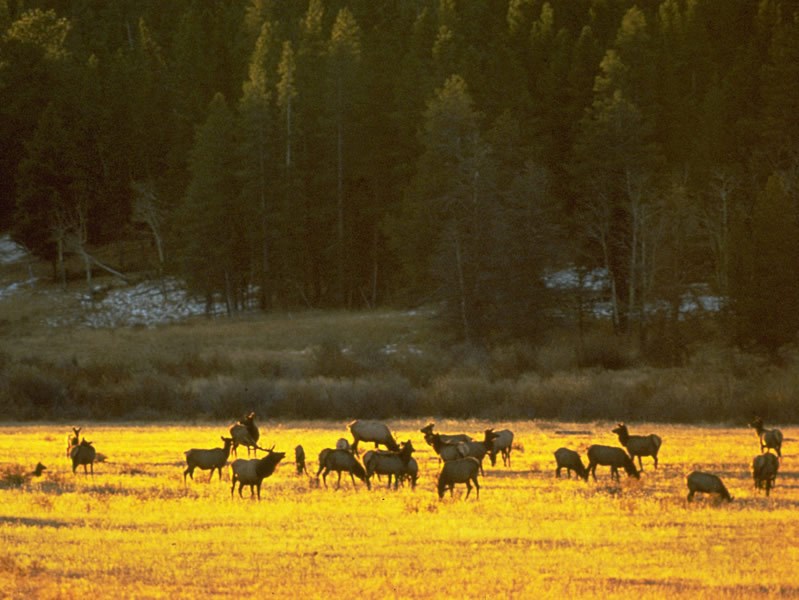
252	472
393	464
372	431
769	438
706	483
612	457
571	461
503	443
764	471
462	470
638	445
215	458
331	459
245	433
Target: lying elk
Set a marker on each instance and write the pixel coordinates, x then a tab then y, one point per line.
764	471
462	470
214	458
769	438
393	464
706	484
503	444
612	457
252	472
639	445
571	461
245	433
340	460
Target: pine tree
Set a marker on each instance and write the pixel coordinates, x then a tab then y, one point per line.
212	235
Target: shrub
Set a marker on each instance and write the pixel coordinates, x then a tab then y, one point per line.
33	393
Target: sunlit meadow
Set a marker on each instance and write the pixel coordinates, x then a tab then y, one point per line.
135	530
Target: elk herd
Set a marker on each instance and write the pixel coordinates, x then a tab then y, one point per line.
460	456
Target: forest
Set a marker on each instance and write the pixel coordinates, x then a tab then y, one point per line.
356	153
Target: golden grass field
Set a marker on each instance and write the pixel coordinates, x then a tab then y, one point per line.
133	530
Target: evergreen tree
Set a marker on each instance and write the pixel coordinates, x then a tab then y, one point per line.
213	242
765	281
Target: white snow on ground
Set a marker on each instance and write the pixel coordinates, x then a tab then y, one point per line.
145	304
158	302
148	303
10	251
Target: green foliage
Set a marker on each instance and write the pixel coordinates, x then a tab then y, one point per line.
358	135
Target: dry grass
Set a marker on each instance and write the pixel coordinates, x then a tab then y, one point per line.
134	530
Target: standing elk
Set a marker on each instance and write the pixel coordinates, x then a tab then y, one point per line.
393	464
245	433
299	460
769	438
706	483
252	472
445	438
331	459
503	444
462	470
372	431
639	445
764	471
571	461
612	457
83	454
214	458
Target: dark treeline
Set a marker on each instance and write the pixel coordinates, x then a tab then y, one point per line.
351	153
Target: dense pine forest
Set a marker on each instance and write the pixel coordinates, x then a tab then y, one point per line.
357	153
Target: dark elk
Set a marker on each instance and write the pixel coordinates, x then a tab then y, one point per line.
245	433
612	457
372	431
769	438
252	472
639	445
80	452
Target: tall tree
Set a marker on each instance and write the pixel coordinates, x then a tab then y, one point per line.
765	281
257	147
344	52
214	251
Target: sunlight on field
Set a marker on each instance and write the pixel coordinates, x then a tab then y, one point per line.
135	530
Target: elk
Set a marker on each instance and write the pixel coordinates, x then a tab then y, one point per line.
340	460
571	461
372	431
503	444
393	464
612	457
83	454
299	460
245	433
252	472
427	430
462	470
706	483
215	458
769	438
764	471
638	445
